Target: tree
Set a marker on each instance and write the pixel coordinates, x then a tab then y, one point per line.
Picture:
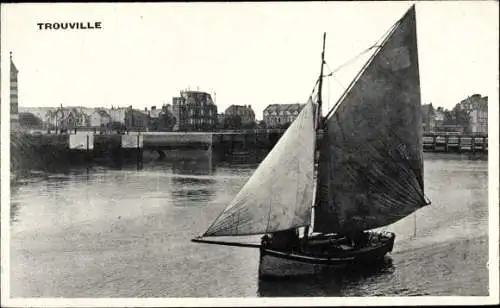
166	121
251	125
458	116
448	118
461	115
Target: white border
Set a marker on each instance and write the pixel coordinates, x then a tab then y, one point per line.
493	184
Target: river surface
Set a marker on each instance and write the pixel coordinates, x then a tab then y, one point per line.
104	232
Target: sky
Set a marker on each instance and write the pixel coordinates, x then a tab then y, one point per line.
246	53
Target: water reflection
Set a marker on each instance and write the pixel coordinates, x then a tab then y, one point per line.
329	282
198	167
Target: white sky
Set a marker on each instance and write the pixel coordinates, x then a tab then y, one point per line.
248	53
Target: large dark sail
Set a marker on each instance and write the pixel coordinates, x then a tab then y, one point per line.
370	168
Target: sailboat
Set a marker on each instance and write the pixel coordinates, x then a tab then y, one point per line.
369	170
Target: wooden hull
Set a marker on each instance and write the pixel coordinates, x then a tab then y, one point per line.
282	263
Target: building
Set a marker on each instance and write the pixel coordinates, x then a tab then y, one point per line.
99	118
117	114
428	117
478	113
82	120
14	96
161	119
281	115
194	111
220	119
64	119
136	120
28	120
439	117
39	112
245	114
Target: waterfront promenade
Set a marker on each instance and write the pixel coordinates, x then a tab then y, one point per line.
89	146
438	142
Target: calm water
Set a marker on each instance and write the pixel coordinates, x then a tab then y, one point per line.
126	233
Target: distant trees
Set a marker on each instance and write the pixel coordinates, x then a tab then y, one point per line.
235	122
459	115
166	121
251	125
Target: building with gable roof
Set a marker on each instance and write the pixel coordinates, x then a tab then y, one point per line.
281	115
99	118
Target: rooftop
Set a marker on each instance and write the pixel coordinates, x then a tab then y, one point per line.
284	107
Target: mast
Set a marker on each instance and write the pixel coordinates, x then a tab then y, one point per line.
320	84
319	113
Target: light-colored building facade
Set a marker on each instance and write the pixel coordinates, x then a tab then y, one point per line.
439	117
478	115
99	118
117	114
279	115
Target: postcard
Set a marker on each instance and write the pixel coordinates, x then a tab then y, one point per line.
255	154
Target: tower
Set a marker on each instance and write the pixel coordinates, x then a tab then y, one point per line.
14	113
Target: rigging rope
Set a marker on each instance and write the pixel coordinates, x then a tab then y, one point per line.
338	68
336	79
378	44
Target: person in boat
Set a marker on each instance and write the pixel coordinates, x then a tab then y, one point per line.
359	239
287	239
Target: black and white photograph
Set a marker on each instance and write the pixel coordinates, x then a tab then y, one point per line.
249	153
